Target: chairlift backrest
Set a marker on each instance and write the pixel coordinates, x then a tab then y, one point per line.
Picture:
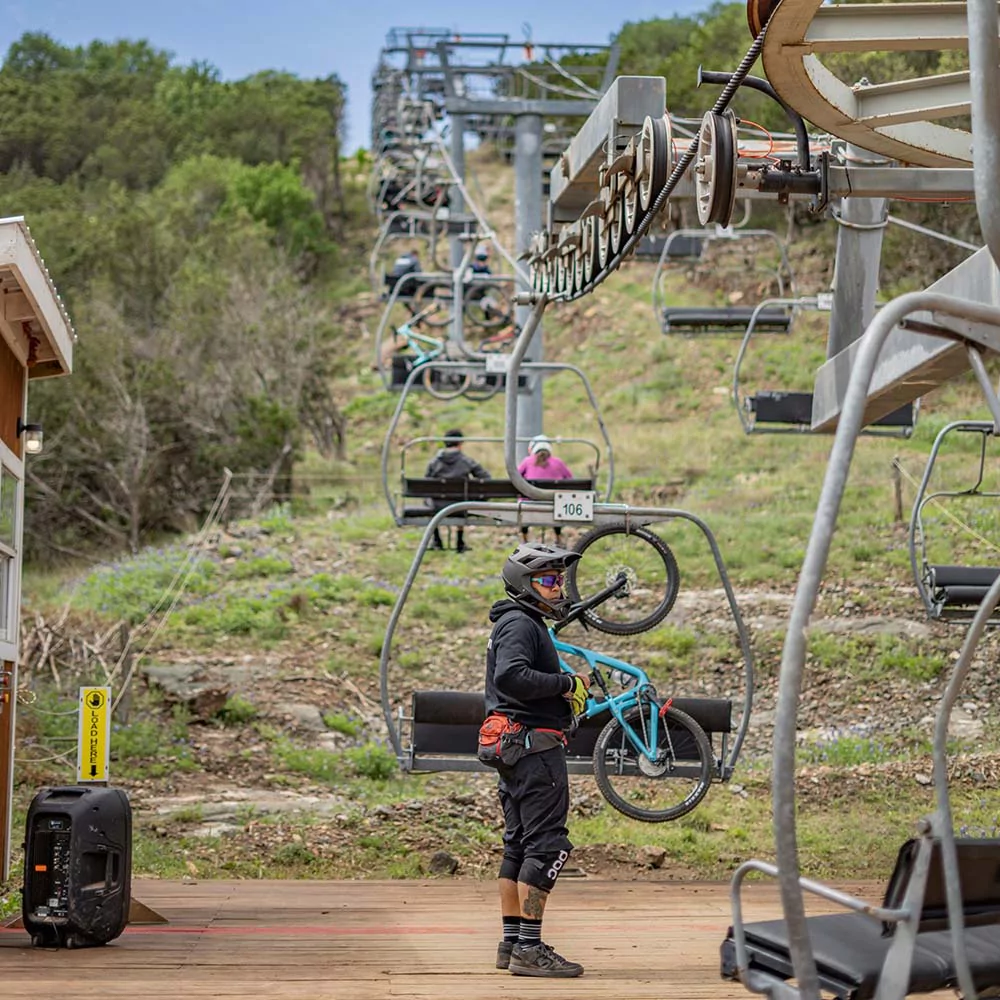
979	874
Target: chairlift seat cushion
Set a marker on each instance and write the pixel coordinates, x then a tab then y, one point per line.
680	247
735	317
401	368
963	576
960	586
483	489
449	721
773	406
850	950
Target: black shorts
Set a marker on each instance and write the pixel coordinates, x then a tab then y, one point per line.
535	799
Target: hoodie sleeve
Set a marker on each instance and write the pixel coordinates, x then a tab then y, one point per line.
515	649
476	470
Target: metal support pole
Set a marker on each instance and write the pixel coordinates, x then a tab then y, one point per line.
528	215
859	251
984	80
456	204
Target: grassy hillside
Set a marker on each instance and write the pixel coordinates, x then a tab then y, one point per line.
272	760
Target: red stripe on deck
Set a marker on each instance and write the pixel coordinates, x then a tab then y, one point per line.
321	931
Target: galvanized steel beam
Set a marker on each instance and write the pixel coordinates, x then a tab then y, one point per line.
912	363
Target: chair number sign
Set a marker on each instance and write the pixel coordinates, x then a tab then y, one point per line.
574	506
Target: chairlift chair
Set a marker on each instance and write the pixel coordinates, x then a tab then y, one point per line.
925	935
783	411
951	592
440	725
716	320
438	733
409	508
604	453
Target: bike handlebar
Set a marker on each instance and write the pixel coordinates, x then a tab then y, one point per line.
591	602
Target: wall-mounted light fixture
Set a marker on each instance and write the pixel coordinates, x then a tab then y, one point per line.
32	436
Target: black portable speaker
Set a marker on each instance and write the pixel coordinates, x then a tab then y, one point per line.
77	866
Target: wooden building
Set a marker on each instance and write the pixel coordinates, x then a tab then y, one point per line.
36	341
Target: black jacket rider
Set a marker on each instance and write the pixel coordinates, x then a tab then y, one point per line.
450	463
523	679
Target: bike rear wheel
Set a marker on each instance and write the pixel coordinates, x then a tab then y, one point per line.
444	384
487	307
654	792
480	387
648	564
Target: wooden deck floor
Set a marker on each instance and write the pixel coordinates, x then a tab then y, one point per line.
374	940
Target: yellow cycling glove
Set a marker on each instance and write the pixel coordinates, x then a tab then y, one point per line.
577	695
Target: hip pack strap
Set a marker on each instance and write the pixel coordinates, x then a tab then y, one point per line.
545	739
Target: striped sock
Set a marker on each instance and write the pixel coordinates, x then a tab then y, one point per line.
511	928
531	931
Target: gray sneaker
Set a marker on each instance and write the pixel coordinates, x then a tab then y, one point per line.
504	948
541	961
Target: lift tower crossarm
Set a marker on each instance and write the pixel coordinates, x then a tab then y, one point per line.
914	361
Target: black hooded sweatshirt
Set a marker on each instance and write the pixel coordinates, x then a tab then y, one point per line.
523	678
450	463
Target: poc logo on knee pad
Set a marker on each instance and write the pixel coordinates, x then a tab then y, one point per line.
553	872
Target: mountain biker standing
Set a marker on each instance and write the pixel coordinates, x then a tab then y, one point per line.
533	702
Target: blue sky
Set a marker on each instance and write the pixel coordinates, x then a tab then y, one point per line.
313	38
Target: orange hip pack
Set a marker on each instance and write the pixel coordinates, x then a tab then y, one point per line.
502	741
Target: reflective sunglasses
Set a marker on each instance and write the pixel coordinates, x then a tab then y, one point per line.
549	580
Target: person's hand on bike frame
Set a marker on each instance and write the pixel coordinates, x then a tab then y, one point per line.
577	694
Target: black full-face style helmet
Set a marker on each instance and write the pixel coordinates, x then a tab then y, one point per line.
533	559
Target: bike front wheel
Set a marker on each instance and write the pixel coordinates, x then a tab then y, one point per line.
663	789
649	567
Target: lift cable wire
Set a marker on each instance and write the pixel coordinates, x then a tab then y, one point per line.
488	230
195	553
906	224
562	71
963	526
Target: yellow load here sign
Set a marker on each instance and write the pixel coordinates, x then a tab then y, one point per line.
94	742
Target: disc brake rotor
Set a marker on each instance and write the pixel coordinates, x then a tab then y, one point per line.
652	769
631	579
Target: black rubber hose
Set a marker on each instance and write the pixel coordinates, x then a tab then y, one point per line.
757	83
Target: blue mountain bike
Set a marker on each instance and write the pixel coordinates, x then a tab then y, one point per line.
652	761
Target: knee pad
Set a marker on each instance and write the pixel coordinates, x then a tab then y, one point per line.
543	872
510	867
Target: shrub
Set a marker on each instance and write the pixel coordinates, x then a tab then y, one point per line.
372	761
236	711
341	723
